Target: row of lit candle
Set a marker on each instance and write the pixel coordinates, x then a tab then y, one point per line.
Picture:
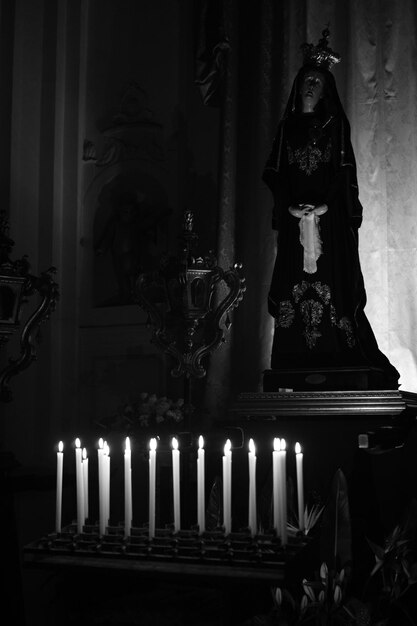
278	492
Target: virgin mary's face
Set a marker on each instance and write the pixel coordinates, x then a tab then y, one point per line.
311	89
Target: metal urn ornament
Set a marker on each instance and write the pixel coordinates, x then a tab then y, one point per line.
17	286
187	299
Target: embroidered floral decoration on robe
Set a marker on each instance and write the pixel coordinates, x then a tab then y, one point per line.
311	310
309	157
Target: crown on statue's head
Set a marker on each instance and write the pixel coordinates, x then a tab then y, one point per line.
320	56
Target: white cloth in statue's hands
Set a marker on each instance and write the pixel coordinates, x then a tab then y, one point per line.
310	233
310	240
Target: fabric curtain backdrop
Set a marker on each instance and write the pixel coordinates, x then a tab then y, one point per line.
377	83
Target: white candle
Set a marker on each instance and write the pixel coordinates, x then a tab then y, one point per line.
80	486
283	457
152	486
227	487
201	514
128	487
300	485
276	482
106	461
252	488
176	484
100	453
59	472
85	483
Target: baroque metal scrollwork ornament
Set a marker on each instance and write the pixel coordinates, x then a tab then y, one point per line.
17	285
184	307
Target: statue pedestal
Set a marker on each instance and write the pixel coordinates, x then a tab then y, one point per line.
349	404
322	379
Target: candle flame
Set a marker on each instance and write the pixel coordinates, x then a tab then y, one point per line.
127	448
152	444
175	443
60	446
100	443
283	444
277	444
200	442
251	446
84	453
77	443
227	447
297	448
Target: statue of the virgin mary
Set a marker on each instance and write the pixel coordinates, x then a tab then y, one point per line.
317	294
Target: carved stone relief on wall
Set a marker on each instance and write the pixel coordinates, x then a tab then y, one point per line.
125	222
127	201
130	234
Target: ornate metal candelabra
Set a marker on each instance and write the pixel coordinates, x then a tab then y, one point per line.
183	307
17	285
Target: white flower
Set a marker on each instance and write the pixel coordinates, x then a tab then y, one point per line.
308	590
324	573
278	596
337	595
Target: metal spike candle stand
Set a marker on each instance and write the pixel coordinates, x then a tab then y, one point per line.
239	553
179	300
212	553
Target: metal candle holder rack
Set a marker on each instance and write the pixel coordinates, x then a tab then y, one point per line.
185	546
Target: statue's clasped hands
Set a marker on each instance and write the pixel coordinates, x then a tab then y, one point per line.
301	210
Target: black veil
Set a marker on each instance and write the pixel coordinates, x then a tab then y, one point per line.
329	110
330	106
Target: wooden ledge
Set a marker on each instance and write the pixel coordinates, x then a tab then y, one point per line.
269	405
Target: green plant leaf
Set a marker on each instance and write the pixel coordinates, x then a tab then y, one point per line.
413	574
377	550
358	611
336	535
214	507
377	567
312	516
308	590
287	597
